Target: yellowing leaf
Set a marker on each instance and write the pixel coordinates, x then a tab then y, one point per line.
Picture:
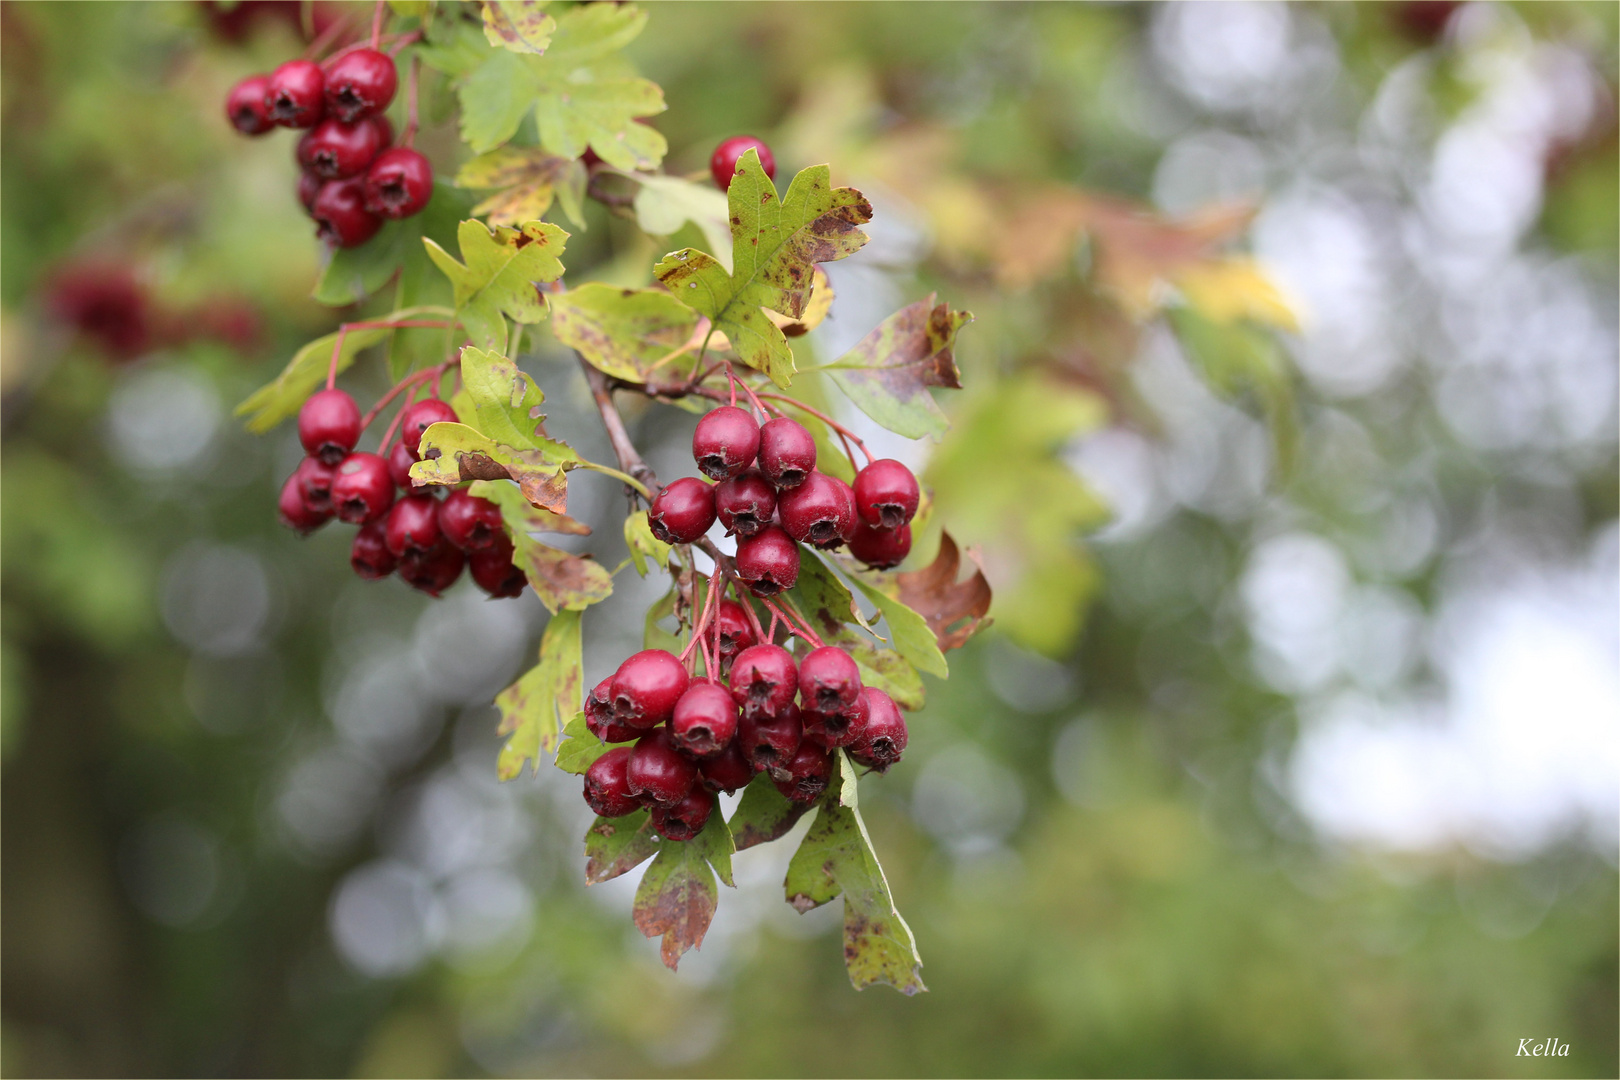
643	544
498	275
519	25
1236	288
531	708
520	515
453	453
560	578
622	332
821	300
529	179
889	371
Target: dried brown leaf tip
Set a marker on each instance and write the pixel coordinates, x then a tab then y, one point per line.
955	610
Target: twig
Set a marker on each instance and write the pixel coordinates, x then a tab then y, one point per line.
625	450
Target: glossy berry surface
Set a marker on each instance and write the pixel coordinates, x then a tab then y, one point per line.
704	721
607	784
884	740
493	570
419	416
369	555
295	95
658	771
315	482
744	504
340	214
360	83
413	525
841	727
734	630
686	818
309	186
297	514
682	512
400	461
432	571
725	442
329	425
768	561
787	453
723	162
398	183
886	494
807	773
764	679
828	679
245	107
728	770
362	492
880	548
820	511
333	150
470	522
646	688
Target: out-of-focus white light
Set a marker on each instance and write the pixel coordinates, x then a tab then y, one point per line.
216	598
384	918
163	420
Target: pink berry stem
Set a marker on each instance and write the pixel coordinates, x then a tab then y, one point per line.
337	29
407	381
748	609
402	41
377	22
843	432
798	627
709	607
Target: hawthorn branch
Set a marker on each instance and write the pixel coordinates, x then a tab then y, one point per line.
629	457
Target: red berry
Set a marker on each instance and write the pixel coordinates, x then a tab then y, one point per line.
294	95
725	442
723	162
828	679
884	739
686	818
787	452
295	512
492	568
399	183
309	186
646	688
736	633
413	525
764	679
768	561
107	303
886	494
880	548
607	784
744	504
841	727
340	214
334	150
470	522
362	492
369	554
400	460
820	511
658	771
769	742
432	571
245	106
360	83
599	716
682	512
704	721
421	415
728	770
807	774
329	425
315	482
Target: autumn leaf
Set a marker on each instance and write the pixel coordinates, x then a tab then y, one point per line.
520	515
955	610
623	333
532	708
529	180
560	578
615	846
677	896
764	814
888	372
498	275
519	25
453	453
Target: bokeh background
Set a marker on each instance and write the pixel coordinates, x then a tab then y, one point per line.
1263	770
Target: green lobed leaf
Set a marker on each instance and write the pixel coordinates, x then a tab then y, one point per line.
715	843
529	179
663	204
531	708
499	274
521	26
615	846
912	637
579	749
506	403
888	372
453	453
622	332
676	899
775	246
643	544
764	814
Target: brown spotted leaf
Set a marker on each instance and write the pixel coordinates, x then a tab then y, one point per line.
676	900
528	179
452	453
889	371
562	580
532	708
764	814
955	610
521	26
624	333
615	846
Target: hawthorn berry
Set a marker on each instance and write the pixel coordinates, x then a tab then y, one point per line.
884	739
492	568
733	628
787	452
470	522
369	554
294	94
880	548
686	818
419	416
295	512
704	721
340	214
658	771
400	460
768	561
599	716
399	183
646	688
744	504
329	425
413	525
828	679
362	492
607	784
728	770
334	150
723	162
725	442
245	106
315	481
886	494
807	774
360	83
682	512
434	570
820	511
309	186
764	679
839	727
769	742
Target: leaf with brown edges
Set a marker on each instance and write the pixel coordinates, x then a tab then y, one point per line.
889	371
955	610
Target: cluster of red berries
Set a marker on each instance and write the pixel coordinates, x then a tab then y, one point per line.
353	178
696	736
770	496
428	540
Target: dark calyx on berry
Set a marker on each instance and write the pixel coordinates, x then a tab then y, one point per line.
245	106
432	571
768	561
599	716
413	525
880	548
725	442
470	522
686	818
764	680
787	452
723	162
884	739
295	94
607	784
745	503
734	630
362	492
769	742
334	150
828	679
329	425
820	511
806	774
646	688
369	554
295	511
492	568
682	512
840	727
399	183
728	770
421	415
340	214
658	771
315	481
704	721
886	494
360	83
